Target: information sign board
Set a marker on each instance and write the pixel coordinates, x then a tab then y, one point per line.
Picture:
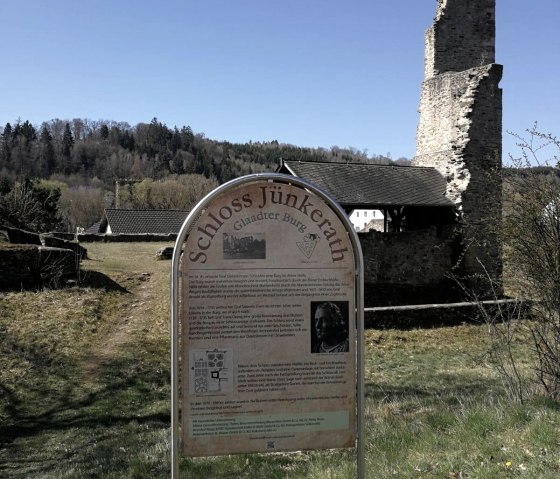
268	322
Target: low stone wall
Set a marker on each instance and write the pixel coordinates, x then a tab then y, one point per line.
30	260
18	236
123	238
438	315
410	267
55	242
64	235
28	266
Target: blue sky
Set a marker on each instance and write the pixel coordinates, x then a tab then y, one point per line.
305	72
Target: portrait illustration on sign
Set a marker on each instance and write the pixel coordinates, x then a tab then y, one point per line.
329	331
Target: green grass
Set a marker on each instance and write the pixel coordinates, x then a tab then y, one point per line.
84	393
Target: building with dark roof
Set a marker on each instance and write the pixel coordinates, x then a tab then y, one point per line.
128	221
409	197
409	262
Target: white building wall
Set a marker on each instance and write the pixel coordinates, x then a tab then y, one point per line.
361	218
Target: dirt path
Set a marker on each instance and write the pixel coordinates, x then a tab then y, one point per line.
133	302
128	317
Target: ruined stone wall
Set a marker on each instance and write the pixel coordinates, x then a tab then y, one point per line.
30	260
410	267
54	242
462	36
460	127
29	266
125	238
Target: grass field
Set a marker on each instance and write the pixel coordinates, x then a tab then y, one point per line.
84	393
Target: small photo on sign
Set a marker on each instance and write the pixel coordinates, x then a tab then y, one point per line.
247	246
329	327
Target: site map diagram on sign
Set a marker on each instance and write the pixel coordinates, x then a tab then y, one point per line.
211	371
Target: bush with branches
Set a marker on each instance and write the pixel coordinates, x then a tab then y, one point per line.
30	205
530	236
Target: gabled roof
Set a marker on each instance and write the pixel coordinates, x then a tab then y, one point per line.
143	221
94	228
371	185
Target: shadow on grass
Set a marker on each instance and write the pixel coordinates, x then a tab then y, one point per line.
379	392
88	279
49	422
96	280
92	409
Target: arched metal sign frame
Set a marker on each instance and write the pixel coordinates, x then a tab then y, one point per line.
359	304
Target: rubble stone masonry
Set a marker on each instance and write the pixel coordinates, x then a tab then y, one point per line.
463	36
410	267
460	127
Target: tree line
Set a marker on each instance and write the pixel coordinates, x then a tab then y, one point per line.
108	150
74	164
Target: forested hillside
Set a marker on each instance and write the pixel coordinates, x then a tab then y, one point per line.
61	174
107	150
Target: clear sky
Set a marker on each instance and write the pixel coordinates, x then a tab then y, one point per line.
305	72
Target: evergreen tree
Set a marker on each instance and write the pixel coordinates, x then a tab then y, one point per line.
115	136
67	146
127	141
187	137
16	130
28	132
22	143
67	141
47	157
6	147
175	143
158	136
104	131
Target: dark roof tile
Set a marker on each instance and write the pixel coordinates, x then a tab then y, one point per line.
123	221
369	184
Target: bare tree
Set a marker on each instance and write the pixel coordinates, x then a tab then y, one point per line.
531	236
81	206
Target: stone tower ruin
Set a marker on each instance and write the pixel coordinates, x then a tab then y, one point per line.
460	127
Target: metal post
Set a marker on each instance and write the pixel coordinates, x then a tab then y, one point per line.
175	362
